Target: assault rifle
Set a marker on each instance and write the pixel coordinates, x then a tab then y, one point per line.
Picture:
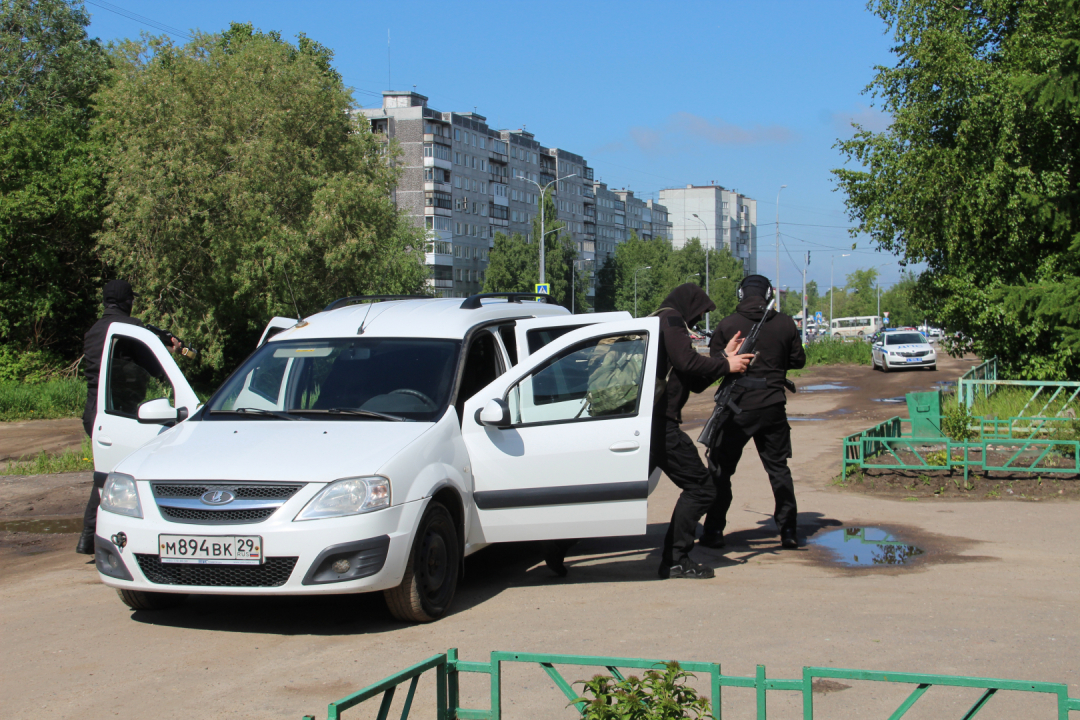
724	404
167	337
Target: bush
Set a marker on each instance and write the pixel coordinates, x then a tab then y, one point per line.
28	365
836	352
59	398
661	695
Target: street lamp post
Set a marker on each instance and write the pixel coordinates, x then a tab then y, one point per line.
647	267
543	190
832	264
778	238
690	276
706	226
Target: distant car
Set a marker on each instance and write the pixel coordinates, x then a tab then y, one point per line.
902	348
936	332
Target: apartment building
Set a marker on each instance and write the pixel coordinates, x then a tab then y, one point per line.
721	218
464	181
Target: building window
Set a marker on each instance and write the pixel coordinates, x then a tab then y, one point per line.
457	134
437	199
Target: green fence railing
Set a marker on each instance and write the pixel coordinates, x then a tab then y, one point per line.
1049	398
448	670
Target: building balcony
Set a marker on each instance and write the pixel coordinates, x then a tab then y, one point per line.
430	210
498	221
545	179
440	283
442	140
587	192
439	259
430	186
438	162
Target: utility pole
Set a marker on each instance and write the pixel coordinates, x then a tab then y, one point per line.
805	265
778	240
832	264
705	225
543	190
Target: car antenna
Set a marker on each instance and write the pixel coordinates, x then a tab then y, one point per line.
360	330
299	320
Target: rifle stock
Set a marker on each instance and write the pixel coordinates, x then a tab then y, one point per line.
724	405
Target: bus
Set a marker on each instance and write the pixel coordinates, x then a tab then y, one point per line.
863	326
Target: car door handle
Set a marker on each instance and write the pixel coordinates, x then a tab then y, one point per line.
624	446
106	441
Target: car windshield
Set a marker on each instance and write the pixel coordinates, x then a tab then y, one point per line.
365	379
904	338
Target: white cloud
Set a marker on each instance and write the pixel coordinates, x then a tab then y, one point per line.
868	118
685	131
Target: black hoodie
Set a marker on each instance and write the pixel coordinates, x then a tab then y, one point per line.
690	370
779	344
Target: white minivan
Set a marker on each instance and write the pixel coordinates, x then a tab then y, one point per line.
371	447
861	326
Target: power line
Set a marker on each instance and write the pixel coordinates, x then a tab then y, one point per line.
138	18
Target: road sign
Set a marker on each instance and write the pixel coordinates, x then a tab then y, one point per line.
543	288
818	317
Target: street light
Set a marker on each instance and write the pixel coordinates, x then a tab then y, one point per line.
832	264
778	237
690	276
705	225
543	191
647	267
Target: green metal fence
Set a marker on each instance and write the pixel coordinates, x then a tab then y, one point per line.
448	670
982	381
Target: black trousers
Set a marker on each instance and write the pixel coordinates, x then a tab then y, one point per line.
90	513
768	427
675	453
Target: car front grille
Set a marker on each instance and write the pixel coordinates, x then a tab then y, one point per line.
917	353
253	502
274	572
216	516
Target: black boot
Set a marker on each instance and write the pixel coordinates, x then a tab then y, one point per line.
555	555
86	543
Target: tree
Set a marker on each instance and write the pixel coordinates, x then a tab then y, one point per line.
977	174
51	182
234	167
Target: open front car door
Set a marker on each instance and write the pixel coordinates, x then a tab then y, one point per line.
559	445
141	392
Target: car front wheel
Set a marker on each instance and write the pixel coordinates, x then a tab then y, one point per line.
140	600
431	575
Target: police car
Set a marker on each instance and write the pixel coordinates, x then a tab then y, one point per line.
371	447
903	348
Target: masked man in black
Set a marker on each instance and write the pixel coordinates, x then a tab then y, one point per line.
760	396
118	299
672	450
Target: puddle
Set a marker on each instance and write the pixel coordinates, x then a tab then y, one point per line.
944	383
55	525
823	388
866	547
891	400
805	419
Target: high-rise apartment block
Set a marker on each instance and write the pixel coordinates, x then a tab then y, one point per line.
464	181
721	218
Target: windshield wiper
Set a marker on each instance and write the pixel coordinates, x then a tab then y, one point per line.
359	411
280	414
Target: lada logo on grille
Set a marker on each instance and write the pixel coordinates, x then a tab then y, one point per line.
218	497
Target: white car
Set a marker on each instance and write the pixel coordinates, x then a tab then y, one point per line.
371	447
903	348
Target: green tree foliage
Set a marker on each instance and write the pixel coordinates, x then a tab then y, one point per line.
50	176
977	175
232	162
514	262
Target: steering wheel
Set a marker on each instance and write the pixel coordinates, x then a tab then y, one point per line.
416	394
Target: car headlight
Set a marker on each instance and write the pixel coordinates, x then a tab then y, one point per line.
121	496
348	496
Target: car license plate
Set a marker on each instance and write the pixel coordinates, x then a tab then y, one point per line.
211	549
914	359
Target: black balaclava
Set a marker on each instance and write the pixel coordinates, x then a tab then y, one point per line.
690	301
118	294
755	285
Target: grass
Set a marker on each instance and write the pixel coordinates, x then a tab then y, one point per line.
59	398
834	352
80	460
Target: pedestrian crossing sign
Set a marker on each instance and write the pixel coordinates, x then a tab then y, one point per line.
543	288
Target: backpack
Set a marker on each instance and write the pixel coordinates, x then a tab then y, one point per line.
615	382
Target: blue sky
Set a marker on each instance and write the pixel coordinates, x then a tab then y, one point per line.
751	95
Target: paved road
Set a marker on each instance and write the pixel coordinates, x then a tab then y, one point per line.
996	595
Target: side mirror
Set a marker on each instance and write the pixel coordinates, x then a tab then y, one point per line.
160	412
495	414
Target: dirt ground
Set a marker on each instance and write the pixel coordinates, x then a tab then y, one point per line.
25	438
994	594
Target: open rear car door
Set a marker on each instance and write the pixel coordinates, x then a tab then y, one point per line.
141	392
559	444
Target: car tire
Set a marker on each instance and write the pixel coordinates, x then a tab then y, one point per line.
141	600
431	574
933	368
884	365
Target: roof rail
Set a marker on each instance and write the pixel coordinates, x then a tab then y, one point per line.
342	302
473	301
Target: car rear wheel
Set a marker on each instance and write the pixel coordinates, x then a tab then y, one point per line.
431	575
140	600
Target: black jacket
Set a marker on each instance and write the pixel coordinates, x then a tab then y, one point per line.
690	370
94	345
779	344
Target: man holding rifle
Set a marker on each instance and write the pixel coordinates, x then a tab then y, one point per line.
756	408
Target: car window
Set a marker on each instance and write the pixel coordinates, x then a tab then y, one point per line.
600	377
407	378
135	377
904	339
481	367
508	333
540	337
